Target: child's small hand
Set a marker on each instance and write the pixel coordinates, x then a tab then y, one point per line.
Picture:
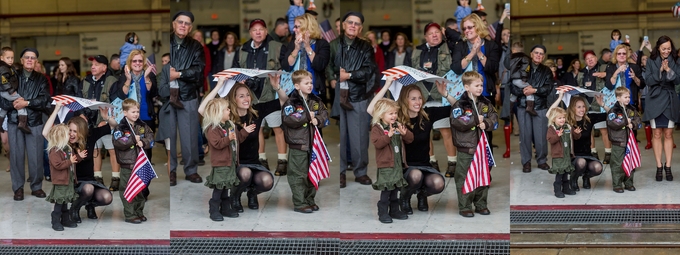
559	132
74	159
482	125
401	128
481	118
391	132
630	125
82	154
314	122
140	144
232	136
250	128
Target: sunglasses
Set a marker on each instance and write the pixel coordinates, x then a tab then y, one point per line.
137	61
468	28
621	53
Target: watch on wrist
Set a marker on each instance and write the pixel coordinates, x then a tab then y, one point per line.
310	52
481	57
350	75
180	74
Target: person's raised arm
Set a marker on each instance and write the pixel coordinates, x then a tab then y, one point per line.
380	94
275	79
104	113
441	87
220	82
50	121
556	103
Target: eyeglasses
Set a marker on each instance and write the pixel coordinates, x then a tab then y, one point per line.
183	23
468	28
621	53
353	23
538	53
30	58
137	61
296	27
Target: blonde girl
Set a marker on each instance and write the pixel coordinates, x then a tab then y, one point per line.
388	136
62	169
223	141
560	137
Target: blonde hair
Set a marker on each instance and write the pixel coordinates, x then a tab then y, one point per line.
212	116
480	28
554	113
128	103
308	24
298	75
616	50
134	53
620	91
471	76
57	137
381	107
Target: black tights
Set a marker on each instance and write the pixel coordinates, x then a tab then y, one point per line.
259	180
587	169
430	183
98	197
388	195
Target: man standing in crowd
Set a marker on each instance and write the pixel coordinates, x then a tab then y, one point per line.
35	98
114	66
262	52
593	79
353	64
96	86
187	61
606	57
280	32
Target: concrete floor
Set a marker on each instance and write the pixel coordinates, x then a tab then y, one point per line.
535	188
30	218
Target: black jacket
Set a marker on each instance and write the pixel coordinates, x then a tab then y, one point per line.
125	144
617	123
452	37
98	90
540	77
218	61
259	59
323	53
493	57
189	59
34	90
116	91
71	87
391	58
357	59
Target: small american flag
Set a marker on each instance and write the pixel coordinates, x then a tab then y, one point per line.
632	158
479	174
318	164
69	102
141	176
492	31
327	31
401	76
151	63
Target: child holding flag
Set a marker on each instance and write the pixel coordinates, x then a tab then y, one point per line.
561	140
131	135
470	115
621	119
302	114
62	170
223	140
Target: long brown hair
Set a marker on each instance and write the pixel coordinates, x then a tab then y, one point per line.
81	125
231	97
407	43
224	42
70	70
403	116
571	110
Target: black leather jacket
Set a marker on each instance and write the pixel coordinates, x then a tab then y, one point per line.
70	87
357	59
34	90
540	77
189	59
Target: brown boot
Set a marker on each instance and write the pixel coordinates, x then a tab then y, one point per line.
174	99
530	108
344	100
23	126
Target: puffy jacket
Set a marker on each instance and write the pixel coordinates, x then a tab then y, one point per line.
99	90
10	80
322	50
297	120
440	56
540	78
188	58
617	122
464	123
34	90
71	87
263	58
125	144
493	57
357	59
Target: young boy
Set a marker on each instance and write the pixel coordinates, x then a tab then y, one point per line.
466	125
8	90
131	135
301	112
621	118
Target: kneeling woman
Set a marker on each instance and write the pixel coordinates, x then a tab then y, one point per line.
82	138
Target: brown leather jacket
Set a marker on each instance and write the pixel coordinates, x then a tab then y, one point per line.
220	145
125	144
296	118
617	123
384	153
556	146
464	125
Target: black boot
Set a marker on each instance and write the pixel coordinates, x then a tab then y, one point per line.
451	170
383	214
435	165
56	221
235	200
214	210
586	182
227	209
91	213
395	211
659	174
75	214
669	175
573	180
405	201
557	187
281	168
422	201
252	200
566	188
607	157
66	220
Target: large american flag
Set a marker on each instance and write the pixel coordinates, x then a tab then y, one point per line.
151	63
69	102
318	164
142	173
400	75
479	174
327	31
632	158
